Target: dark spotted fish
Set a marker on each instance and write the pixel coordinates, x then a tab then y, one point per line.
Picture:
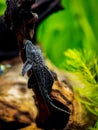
36	63
40	76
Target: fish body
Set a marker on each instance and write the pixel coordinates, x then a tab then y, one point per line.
41	77
40	72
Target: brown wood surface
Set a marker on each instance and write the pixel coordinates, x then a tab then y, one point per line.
17	102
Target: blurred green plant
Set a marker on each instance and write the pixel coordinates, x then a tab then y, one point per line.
2	7
95	126
84	65
74	27
82	61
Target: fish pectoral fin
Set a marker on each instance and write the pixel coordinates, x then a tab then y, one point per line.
27	66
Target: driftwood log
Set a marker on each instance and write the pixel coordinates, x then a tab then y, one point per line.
18	108
43	8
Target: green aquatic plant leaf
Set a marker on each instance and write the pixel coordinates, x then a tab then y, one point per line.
84	64
81	61
95	126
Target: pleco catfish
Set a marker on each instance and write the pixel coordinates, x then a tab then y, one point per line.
40	74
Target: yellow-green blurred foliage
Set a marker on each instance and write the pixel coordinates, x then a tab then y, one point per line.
74	27
2	6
